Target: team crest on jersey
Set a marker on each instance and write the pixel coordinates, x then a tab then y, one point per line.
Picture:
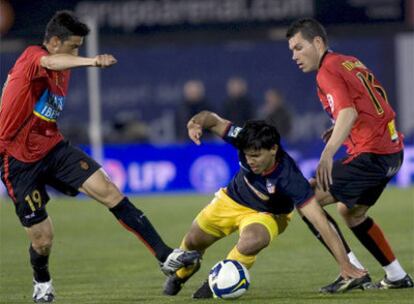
234	131
271	188
84	165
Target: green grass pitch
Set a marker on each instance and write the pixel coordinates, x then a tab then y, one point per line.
95	260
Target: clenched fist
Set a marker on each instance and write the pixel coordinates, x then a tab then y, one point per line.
104	60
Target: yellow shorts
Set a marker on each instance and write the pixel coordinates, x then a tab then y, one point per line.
223	216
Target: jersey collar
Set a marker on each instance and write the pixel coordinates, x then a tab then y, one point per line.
271	170
323	57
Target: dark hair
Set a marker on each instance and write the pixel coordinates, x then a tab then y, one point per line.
64	24
309	28
256	135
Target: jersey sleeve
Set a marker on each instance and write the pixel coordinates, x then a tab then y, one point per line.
35	70
295	186
333	86
231	134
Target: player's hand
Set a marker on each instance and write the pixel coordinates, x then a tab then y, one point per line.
327	134
324	171
195	131
349	271
105	60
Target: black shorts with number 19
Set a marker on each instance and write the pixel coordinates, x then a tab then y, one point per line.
65	168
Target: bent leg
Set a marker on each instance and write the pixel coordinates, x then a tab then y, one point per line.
99	187
253	238
256	232
195	239
198	239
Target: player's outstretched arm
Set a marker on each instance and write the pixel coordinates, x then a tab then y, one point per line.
340	132
206	120
313	211
60	62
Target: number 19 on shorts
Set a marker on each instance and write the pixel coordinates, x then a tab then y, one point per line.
33	200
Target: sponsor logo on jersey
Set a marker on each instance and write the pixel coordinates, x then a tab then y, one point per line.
49	106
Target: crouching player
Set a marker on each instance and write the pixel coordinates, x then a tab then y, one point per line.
258	201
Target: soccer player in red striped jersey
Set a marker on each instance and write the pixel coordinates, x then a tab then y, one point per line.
364	122
33	153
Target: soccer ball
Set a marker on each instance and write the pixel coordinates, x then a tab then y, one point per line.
228	279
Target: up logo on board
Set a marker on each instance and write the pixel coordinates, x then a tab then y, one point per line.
208	173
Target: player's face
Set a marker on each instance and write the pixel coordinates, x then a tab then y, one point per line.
306	54
69	46
261	160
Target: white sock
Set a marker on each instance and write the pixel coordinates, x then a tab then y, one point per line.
354	261
394	271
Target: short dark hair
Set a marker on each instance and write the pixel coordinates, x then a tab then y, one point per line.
309	28
64	24
256	135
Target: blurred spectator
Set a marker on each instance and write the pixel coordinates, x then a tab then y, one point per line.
238	106
127	128
194	101
275	112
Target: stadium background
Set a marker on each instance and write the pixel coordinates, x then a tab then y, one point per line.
161	44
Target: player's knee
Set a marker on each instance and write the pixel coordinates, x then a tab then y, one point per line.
192	241
350	217
42	246
251	243
110	194
324	198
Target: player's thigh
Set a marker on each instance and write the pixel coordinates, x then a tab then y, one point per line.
25	185
274	225
361	180
253	238
72	170
99	187
221	217
324	198
198	239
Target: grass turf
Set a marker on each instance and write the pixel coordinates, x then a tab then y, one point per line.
95	260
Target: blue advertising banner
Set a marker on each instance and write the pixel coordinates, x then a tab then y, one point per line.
169	169
144	169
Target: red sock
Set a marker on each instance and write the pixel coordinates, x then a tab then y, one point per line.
372	237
